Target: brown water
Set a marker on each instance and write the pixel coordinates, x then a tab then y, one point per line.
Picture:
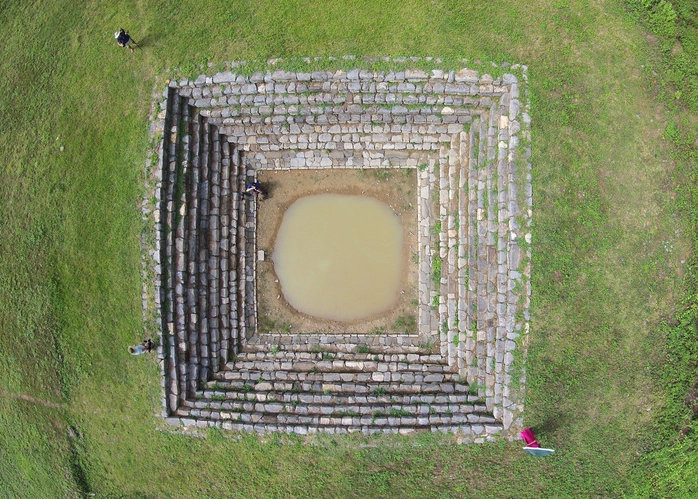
339	257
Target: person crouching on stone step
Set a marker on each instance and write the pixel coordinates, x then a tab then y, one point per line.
123	39
255	188
145	347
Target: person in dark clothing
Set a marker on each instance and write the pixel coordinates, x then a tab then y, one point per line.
254	188
123	39
145	347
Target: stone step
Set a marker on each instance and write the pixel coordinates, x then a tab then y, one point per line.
391	417
464	257
180	166
366	145
463	315
224	262
465	412
373	83
176	373
469	185
233	251
396	141
333	123
192	214
243	257
335	129
338	365
385	424
436	93
202	308
209	250
214	258
216	397
504	286
247	376
497	234
450	224
175	252
318	383
476	413
310	110
387	345
352	104
251	255
272	353
427	217
485	240
468	304
460	412
451	196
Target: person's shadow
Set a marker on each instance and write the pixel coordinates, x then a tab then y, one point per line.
550	426
148	40
269	188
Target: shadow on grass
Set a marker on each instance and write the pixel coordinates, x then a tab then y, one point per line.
148	40
77	469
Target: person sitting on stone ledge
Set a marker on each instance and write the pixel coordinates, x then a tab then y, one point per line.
145	347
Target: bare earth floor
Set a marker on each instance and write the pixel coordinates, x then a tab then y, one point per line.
395	187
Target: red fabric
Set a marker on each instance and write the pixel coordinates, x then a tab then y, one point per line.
530	439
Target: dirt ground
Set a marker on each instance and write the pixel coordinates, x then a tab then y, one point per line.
397	188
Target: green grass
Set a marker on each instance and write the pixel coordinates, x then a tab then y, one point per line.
670	466
405	324
613	166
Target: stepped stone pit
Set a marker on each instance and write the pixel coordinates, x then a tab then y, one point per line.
445	149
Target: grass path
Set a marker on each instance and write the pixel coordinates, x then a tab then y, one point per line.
607	249
32	400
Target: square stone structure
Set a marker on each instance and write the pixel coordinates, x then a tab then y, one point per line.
466	133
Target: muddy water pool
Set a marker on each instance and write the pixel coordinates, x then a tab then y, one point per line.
339	257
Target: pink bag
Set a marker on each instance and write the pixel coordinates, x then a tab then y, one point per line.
528	437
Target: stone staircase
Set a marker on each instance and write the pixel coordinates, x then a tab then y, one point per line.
334	391
209	298
456	375
468	232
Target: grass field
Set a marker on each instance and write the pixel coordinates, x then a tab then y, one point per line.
612	351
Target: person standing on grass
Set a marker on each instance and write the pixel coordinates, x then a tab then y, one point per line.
123	39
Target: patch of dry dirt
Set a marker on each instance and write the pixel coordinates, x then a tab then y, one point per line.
396	187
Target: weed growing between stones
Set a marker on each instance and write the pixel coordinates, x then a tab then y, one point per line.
363	349
436	257
426	346
436	263
435	301
317	348
399	413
